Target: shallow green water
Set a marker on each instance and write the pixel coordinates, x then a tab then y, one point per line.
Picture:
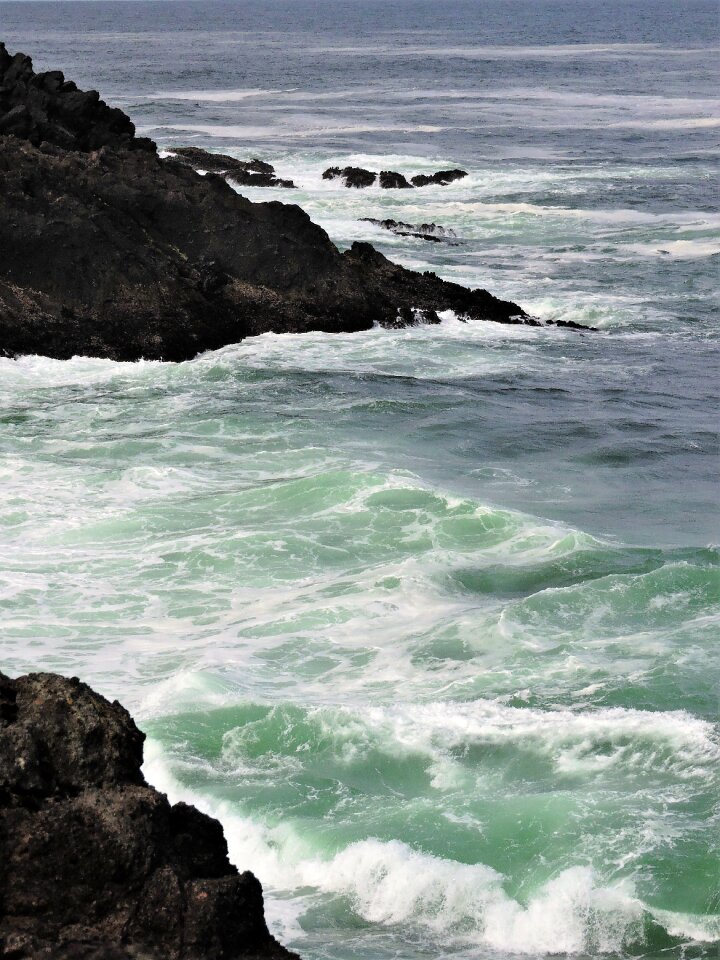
431	723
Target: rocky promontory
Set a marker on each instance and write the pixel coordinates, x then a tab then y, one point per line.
96	864
109	250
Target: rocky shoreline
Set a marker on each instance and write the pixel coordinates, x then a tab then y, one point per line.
96	863
111	251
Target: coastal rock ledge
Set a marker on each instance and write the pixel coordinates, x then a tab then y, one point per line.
96	864
108	250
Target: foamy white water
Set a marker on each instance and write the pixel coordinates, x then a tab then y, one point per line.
428	618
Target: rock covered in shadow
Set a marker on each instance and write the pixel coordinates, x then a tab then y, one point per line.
96	863
252	173
441	178
432	232
45	107
351	176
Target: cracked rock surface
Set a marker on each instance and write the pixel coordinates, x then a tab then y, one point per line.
97	863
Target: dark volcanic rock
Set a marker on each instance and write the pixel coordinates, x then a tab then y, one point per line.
220	162
442	177
253	173
569	325
126	256
97	864
249	179
352	176
390	180
45	107
116	253
423	231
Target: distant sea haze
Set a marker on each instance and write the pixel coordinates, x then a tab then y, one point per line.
429	618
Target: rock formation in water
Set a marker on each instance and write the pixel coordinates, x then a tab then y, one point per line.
41	107
246	173
108	250
422	231
351	176
390	179
96	863
441	178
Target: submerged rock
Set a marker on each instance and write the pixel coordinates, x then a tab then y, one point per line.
253	173
442	178
98	864
423	231
569	325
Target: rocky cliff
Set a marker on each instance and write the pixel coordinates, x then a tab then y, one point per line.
96	863
108	250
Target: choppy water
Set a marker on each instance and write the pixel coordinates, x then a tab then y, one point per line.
429	618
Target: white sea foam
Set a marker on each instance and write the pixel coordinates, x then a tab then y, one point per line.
501	52
301	128
669	123
218	96
588	741
684	249
390	884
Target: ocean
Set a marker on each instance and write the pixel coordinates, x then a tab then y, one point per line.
429	618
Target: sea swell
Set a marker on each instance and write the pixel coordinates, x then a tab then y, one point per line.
441	719
428	617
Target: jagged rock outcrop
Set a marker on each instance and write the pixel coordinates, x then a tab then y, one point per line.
441	178
351	176
109	250
423	231
252	173
96	863
46	107
390	180
123	255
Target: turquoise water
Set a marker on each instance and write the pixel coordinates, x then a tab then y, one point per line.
431	723
429	618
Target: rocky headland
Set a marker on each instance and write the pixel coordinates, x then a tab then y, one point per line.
110	251
96	864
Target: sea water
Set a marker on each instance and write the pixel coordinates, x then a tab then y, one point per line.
428	618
